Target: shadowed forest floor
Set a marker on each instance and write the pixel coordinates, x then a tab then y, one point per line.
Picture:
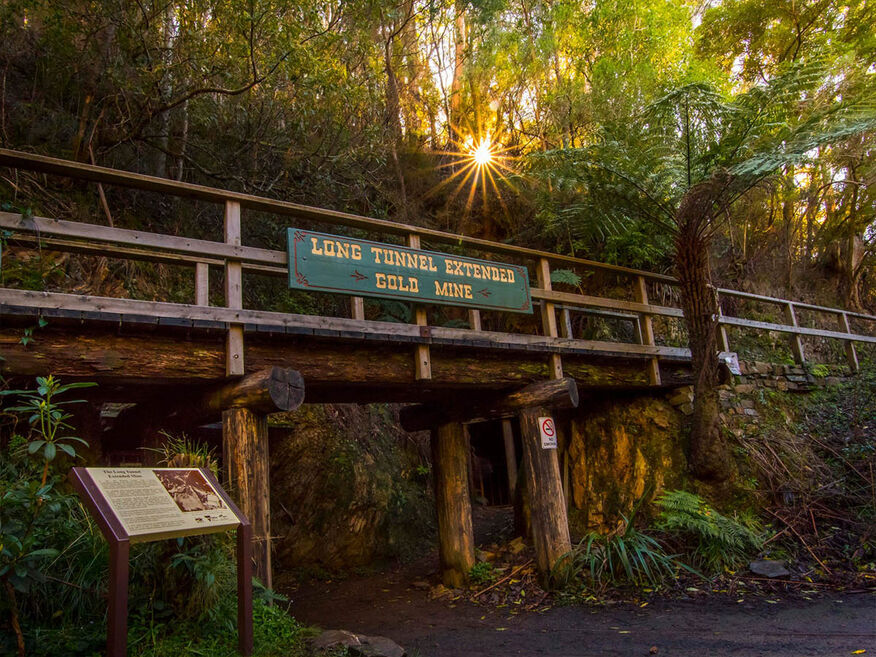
386	604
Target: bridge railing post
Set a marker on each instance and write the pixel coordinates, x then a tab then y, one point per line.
357	308
423	361
795	340
851	353
646	330
549	315
233	292
202	284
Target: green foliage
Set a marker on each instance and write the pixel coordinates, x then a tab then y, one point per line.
565	276
482	573
624	556
47	418
716	542
183	452
275	634
30	502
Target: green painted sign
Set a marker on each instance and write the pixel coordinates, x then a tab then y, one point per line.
331	263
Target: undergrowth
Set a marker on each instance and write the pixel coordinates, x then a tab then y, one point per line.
809	464
53	558
625	556
713	542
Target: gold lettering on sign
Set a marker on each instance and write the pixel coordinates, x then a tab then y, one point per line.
474	270
453	290
335	249
396	283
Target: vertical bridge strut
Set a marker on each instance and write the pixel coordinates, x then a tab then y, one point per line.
550	525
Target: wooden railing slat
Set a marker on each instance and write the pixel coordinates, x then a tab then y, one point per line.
376	330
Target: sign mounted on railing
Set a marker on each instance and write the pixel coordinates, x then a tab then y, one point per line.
331	263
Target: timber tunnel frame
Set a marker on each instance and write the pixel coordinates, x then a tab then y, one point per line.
216	353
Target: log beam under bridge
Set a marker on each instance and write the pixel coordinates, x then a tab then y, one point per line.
126	360
558	394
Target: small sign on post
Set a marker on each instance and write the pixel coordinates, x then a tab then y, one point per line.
731	360
548	431
138	505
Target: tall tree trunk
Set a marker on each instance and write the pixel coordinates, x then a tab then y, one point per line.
392	121
165	87
709	453
458	72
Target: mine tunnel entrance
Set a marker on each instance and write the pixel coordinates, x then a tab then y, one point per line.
494	458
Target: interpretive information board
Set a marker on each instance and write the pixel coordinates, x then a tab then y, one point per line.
156	503
135	505
331	263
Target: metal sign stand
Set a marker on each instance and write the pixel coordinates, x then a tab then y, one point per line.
120	546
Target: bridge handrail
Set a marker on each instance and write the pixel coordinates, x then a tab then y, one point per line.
105	175
88	238
172	248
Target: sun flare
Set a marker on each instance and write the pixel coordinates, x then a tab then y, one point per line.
483	154
480	165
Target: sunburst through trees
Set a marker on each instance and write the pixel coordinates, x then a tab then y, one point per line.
478	163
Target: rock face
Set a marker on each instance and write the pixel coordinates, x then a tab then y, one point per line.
619	447
347	487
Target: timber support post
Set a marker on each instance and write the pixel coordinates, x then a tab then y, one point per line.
550	522
246	404
247	473
453	503
510	457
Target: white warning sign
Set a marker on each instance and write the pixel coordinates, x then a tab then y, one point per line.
548	431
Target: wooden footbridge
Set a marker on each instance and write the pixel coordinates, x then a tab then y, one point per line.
194	362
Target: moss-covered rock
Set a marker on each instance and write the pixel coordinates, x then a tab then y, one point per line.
347	487
619	449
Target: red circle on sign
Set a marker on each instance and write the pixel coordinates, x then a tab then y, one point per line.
547	427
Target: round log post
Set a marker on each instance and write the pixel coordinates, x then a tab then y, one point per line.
247	470
452	503
550	523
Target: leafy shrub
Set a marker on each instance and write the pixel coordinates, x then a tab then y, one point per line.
627	555
482	573
183	452
53	558
32	508
566	276
716	542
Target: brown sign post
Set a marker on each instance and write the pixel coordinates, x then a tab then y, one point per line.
138	505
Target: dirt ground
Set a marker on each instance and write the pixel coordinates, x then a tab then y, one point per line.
386	604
